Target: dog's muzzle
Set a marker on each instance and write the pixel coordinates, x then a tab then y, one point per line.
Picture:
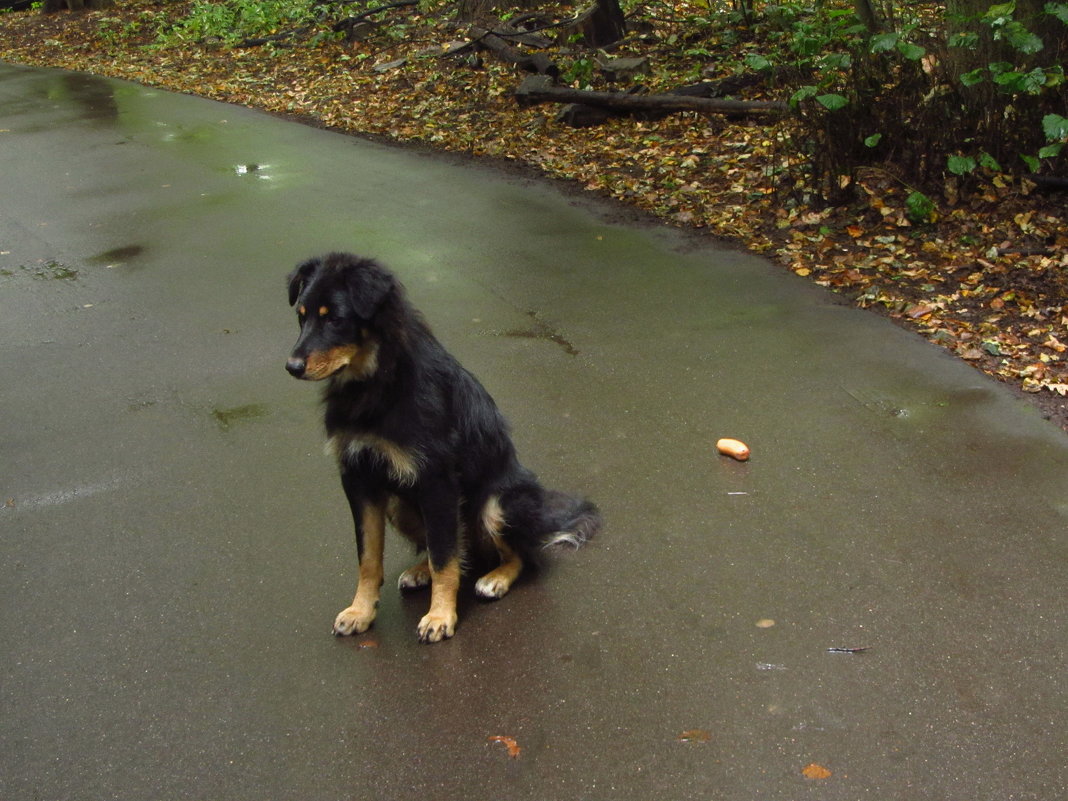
296	366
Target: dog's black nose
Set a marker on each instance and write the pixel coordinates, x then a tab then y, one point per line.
296	366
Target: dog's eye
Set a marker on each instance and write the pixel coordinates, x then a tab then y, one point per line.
330	316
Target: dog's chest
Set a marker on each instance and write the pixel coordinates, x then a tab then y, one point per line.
401	464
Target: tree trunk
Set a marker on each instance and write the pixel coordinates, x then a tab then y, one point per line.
50	6
601	25
865	12
475	10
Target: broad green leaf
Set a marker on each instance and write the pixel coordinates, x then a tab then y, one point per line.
911	51
966	40
1033	81
973	77
1031	162
882	42
961	165
918	207
1011	81
1049	151
989	162
997	14
1058	10
1055	127
757	62
802	94
835	61
832	102
1022	39
873	140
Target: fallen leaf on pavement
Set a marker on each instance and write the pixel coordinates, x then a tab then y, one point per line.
509	742
694	736
814	771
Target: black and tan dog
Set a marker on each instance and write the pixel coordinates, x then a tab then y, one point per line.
419	442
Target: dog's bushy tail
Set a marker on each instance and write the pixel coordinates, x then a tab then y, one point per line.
569	520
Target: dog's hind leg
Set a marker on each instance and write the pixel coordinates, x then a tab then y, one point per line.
409	523
370	521
498	581
415	577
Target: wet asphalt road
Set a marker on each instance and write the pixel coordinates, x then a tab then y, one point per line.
174	545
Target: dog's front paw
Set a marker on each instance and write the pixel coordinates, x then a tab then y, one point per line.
353	620
435	627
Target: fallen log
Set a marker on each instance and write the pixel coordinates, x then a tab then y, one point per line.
532	62
508	32
1049	182
539	89
583	115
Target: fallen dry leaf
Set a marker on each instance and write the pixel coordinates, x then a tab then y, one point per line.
694	736
509	742
814	771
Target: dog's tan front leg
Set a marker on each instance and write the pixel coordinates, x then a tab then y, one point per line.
358	617
440	622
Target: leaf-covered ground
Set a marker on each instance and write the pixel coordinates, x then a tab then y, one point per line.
987	279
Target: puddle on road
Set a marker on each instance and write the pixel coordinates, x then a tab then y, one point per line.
227	418
542	331
186	134
890	405
253	170
116	257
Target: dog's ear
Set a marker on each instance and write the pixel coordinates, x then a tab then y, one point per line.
299	277
369	286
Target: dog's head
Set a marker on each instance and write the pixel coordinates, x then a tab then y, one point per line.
338	299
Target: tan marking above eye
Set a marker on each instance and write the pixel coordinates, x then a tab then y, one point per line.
323	311
302	310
